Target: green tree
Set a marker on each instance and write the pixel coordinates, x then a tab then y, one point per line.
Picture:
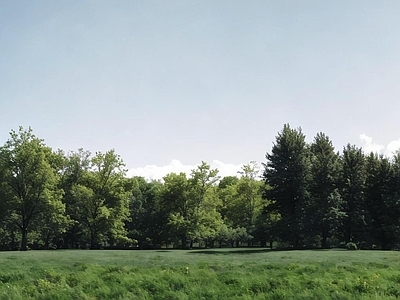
8	238
30	182
243	201
287	173
102	201
75	166
147	223
205	218
250	189
265	226
226	192
352	191
176	204
382	215
184	200
209	220
325	209
227	181
202	178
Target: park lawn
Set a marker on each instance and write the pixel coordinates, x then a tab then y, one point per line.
200	274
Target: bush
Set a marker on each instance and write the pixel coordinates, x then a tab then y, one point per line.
351	246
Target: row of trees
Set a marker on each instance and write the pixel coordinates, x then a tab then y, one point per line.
307	195
55	199
322	196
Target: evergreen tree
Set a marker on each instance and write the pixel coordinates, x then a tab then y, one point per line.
352	191
380	218
287	172
325	207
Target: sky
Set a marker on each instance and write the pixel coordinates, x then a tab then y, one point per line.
169	84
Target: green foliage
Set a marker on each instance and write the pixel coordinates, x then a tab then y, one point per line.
176	204
191	204
287	172
147	223
29	185
352	191
382	211
326	207
102	200
75	166
309	196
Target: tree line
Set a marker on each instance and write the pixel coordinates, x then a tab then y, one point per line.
303	195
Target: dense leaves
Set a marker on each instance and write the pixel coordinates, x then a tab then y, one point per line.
307	195
287	171
29	184
325	207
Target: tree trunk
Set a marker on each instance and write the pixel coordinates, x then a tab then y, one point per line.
324	237
24	240
212	244
184	241
92	239
271	244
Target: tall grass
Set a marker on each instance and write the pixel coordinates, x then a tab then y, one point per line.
206	274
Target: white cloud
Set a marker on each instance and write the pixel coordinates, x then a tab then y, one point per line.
392	147
153	172
369	146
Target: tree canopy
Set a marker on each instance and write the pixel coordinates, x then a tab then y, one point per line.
303	195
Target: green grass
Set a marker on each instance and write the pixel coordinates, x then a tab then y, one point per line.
200	274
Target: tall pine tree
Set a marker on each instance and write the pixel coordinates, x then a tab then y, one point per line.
325	208
352	191
287	172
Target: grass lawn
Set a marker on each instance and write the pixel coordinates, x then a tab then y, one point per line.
200	274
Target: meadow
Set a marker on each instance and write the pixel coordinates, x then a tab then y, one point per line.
200	274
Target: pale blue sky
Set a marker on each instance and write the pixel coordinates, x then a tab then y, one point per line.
198	80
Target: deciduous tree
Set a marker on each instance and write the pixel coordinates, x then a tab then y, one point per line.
29	182
102	200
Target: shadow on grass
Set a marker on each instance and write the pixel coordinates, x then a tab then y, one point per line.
227	251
